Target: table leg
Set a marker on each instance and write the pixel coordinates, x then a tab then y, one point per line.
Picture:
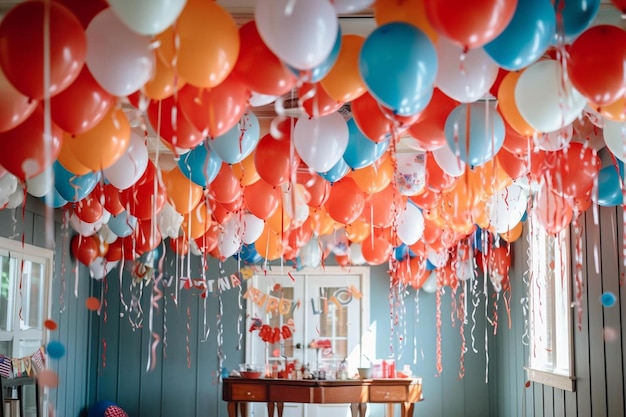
270	408
407	409
362	409
20	398
243	409
280	407
232	409
354	409
389	412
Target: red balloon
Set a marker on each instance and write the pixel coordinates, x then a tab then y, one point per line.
513	165
27	152
262	199
370	119
15	107
22	52
514	142
258	67
208	242
573	171
596	63
317	189
428	199
114	253
147	236
183	134
300	235
147	197
436	179
429	130
346	201
496	84
316	101
84	10
553	211
379	211
85	249
470	24
216	110
219	213
225	188
180	245
109	197
89	209
500	260
273	159
82	105
376	250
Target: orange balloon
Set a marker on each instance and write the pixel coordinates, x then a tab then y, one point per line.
269	245
507	106
321	222
67	158
280	221
376	250
102	146
513	234
409	11
343	82
182	193
376	177
209	43
164	83
615	111
197	221
245	171
358	231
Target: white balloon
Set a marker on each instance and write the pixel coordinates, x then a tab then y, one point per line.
438	259
544	99
169	221
106	234
120	60
430	285
84	228
16	198
42	184
252	228
193	247
356	254
410	224
258	99
351	6
294	199
556	140
464	76
615	138
322	141
300	33
8	184
410	175
507	207
148	17
100	267
229	239
125	172
311	253
448	161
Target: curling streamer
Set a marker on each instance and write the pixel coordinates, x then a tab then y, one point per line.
155	297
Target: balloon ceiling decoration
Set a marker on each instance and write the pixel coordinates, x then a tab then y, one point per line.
447	122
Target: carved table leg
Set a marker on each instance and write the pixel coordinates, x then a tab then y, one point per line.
407	409
270	408
243	409
280	406
389	412
232	409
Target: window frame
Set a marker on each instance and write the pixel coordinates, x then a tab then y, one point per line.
558	288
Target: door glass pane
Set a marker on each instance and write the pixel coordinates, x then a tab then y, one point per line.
32	298
7	292
278	320
5	348
334	321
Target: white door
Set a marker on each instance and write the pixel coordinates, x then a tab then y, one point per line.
328	308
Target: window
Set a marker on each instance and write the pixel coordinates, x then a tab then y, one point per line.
25	274
550	312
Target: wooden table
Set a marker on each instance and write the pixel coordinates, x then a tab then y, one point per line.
18	383
275	392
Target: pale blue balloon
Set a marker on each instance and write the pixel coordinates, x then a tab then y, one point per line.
200	165
53	199
316	74
527	36
337	172
398	64
239	142
477	138
362	151
72	187
123	224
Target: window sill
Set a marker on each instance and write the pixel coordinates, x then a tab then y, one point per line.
564	382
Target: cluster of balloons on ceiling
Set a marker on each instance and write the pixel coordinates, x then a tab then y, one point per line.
503	107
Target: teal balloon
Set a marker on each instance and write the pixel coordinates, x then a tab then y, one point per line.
200	165
610	185
608	299
55	349
476	137
361	150
398	64
72	187
53	199
152	258
316	74
123	224
239	142
576	16
527	37
337	172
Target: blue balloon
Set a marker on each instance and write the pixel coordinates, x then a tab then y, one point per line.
401	252
53	199
477	138
72	187
316	74
337	172
576	16
398	64
239	142
55	349
430	266
200	165
609	185
527	37
361	150
123	224
152	258
249	255
608	299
